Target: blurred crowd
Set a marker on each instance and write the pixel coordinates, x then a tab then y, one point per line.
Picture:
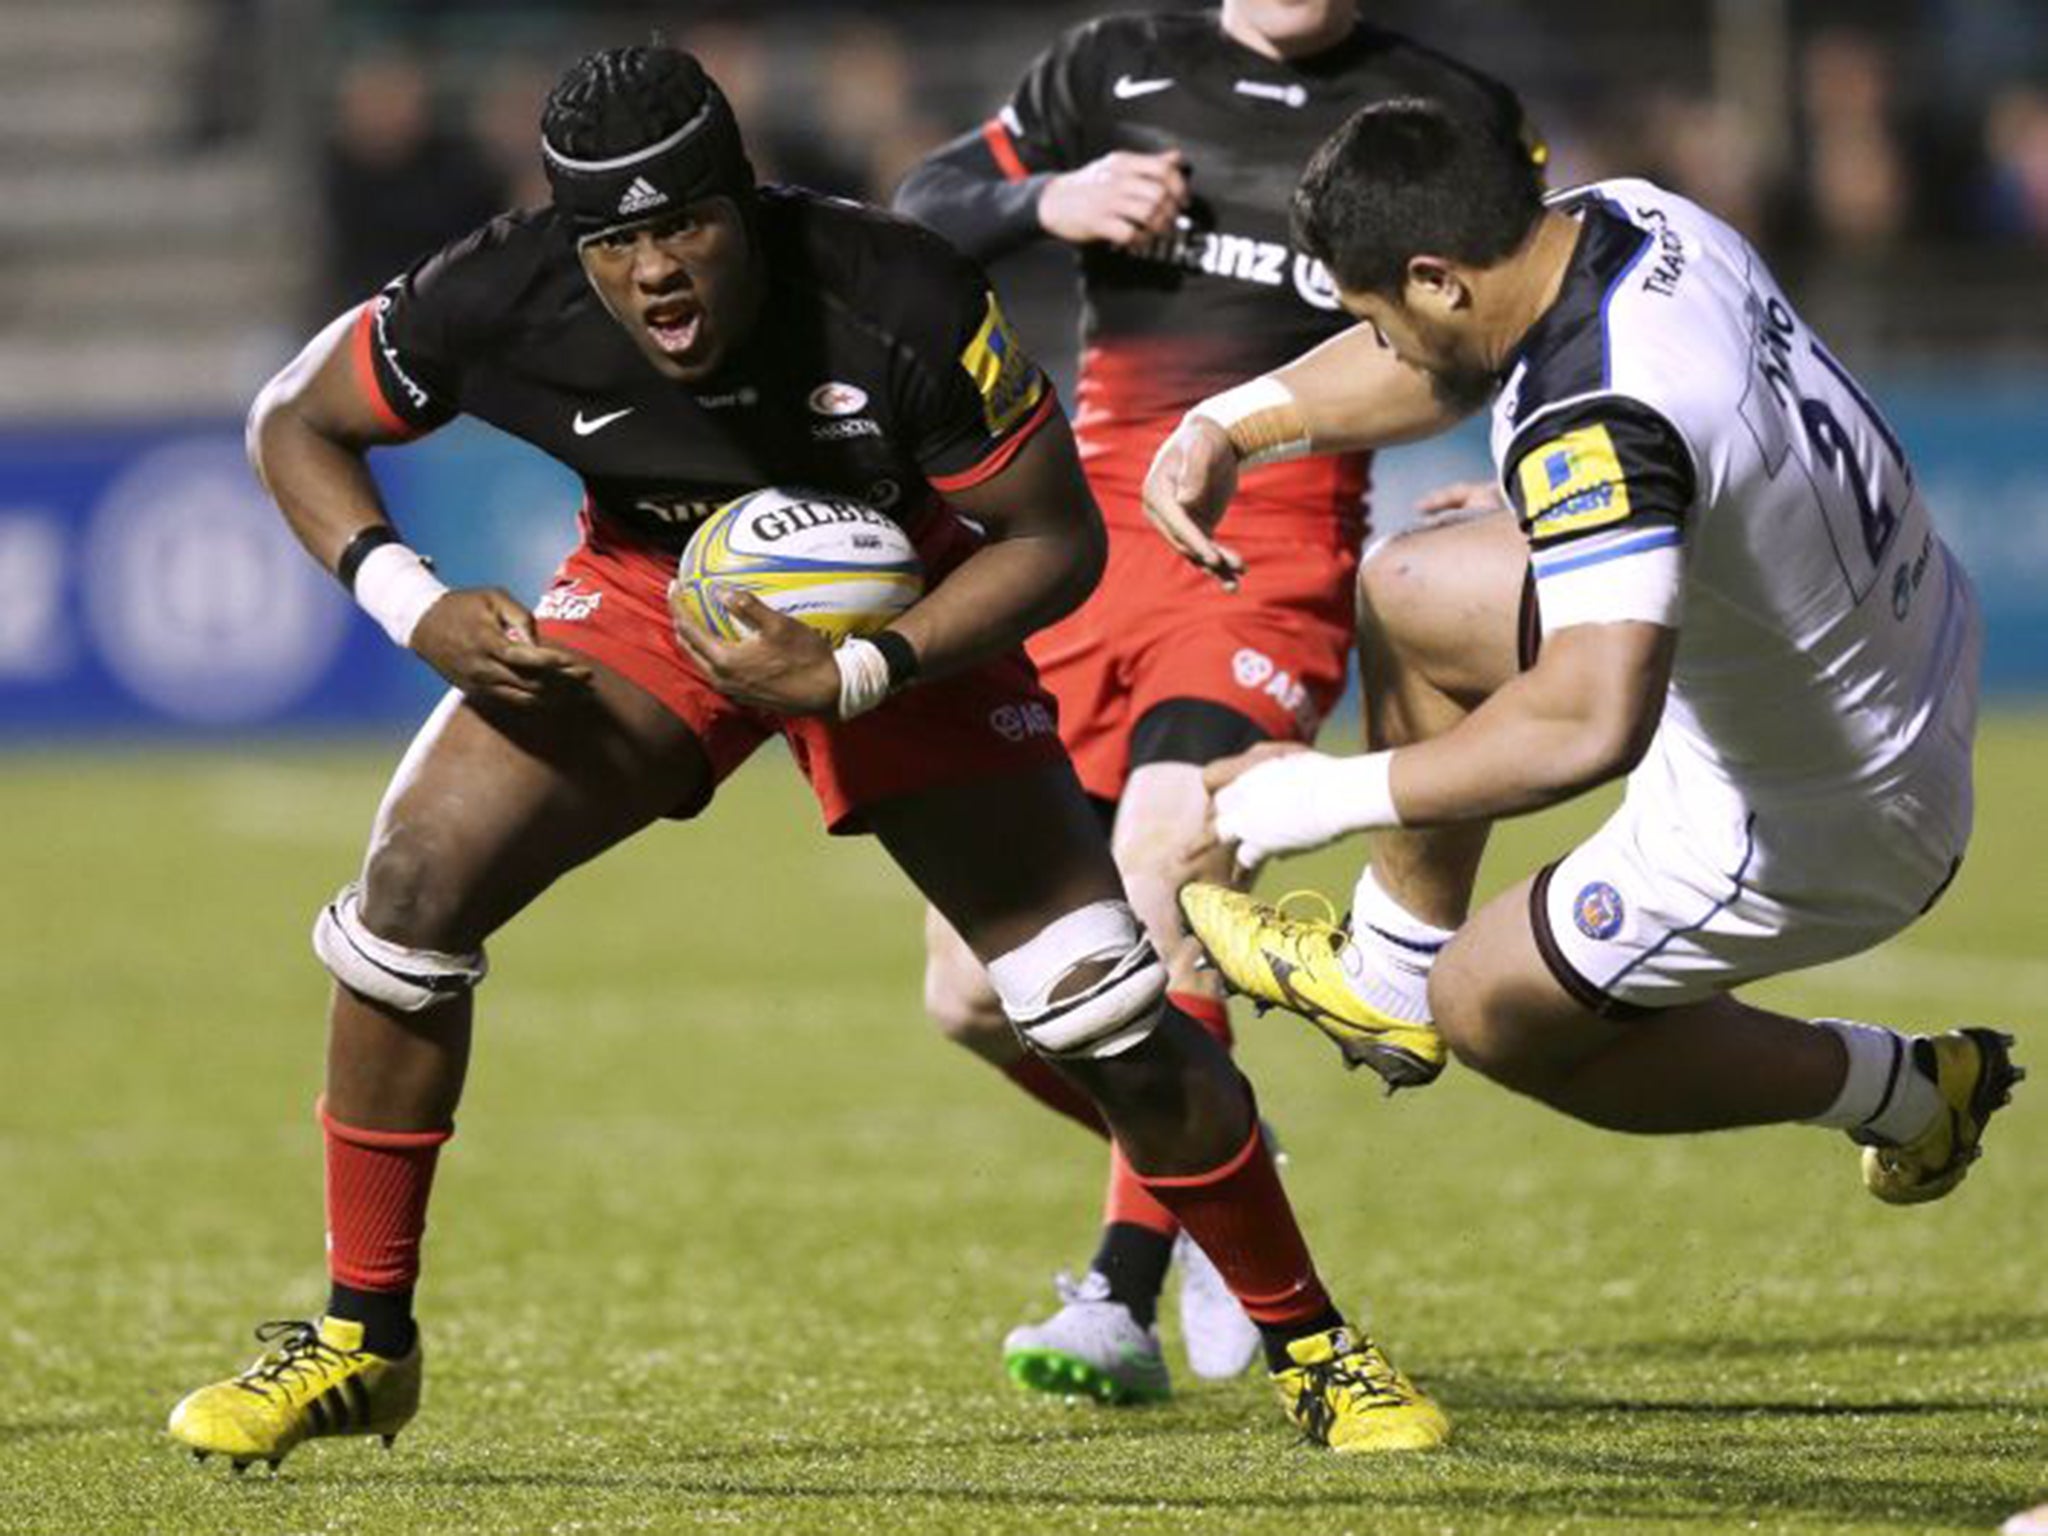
1836	134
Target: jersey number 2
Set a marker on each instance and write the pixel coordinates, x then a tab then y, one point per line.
1877	517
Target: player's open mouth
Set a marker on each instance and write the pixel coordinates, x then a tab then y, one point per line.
674	327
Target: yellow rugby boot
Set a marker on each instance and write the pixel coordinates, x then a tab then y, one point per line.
1297	963
315	1379
1974	1070
1343	1392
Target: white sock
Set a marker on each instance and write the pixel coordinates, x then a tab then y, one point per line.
1885	1092
1388	960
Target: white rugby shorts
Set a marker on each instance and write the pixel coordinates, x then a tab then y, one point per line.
1685	891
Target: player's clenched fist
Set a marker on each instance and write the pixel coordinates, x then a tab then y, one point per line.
1188	489
481	640
1122	199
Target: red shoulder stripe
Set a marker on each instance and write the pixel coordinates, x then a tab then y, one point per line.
1004	148
360	342
1005	451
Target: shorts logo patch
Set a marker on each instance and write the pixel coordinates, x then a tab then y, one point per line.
1257	671
1008	381
1019	722
568	604
1597	910
1573	483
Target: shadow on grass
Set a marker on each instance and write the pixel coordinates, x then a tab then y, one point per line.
1713	1494
1673	1474
1928	1335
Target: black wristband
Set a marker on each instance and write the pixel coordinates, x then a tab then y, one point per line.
357	550
899	653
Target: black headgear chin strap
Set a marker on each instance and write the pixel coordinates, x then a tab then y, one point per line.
703	158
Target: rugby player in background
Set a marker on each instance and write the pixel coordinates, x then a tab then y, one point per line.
1163	146
677	336
1718	578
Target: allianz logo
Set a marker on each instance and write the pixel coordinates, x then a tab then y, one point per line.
1245	259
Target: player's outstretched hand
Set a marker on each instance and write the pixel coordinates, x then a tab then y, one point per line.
482	640
1187	491
783	665
1215	845
1123	199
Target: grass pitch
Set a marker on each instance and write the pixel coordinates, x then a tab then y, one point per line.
728	1238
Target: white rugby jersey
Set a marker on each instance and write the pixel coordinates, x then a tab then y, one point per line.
1680	447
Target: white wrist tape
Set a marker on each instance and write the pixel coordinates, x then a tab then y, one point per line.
1262	418
395	587
1303	800
863	677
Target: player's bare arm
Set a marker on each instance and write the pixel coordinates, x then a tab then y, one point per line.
308	436
1350	394
1045	553
1582	716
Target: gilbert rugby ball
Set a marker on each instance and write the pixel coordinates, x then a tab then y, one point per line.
829	561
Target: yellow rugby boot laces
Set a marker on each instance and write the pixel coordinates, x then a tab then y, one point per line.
314	1380
1297	963
1341	1391
1974	1071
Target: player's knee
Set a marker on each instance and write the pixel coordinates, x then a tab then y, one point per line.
1478	1031
406	895
1390	587
1089	984
958	1000
1475	1013
368	959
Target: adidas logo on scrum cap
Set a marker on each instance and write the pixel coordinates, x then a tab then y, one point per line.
641	196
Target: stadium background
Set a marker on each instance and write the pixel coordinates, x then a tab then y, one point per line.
654	1311
187	187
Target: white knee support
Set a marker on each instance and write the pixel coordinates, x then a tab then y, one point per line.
406	979
1109	1015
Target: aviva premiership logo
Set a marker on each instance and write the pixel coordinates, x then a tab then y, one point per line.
1008	381
1572	483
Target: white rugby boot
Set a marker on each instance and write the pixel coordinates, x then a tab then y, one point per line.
1091	1347
1220	1340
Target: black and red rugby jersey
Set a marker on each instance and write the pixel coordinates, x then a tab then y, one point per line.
1228	296
880	367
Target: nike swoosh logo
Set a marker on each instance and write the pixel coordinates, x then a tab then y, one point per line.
1126	88
598	423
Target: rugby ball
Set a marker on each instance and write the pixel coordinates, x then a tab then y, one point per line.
826	560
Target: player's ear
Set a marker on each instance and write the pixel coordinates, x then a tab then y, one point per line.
1434	285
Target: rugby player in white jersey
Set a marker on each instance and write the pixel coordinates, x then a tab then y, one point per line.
1717	577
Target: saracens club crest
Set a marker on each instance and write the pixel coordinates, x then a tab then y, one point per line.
834	398
1597	910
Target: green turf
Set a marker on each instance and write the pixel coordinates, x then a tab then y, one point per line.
728	1239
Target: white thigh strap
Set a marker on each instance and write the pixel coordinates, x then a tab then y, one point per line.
409	980
1112	1013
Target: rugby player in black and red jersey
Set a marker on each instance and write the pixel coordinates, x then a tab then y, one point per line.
665	328
1164	147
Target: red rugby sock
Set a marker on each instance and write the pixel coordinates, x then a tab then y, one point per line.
1043	1082
1128	1200
377	1187
1212	1013
1241	1217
